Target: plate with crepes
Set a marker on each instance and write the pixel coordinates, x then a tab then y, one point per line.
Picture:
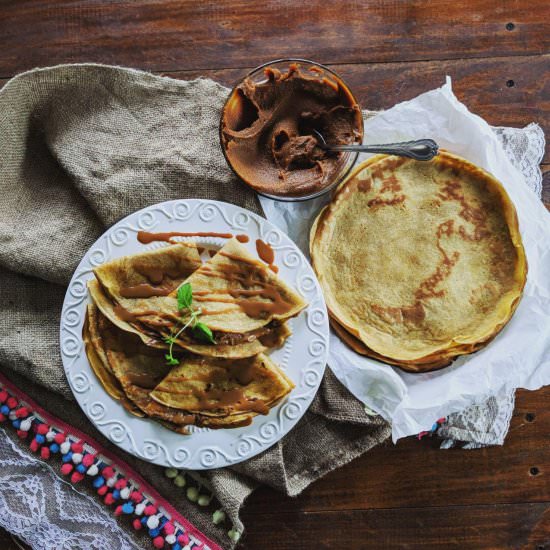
194	334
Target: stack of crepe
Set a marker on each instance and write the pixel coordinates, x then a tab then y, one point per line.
420	262
221	384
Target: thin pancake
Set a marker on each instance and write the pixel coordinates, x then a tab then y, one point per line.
238	293
223	387
131	282
137	369
249	346
420	261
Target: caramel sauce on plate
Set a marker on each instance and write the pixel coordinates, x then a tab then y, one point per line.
145	237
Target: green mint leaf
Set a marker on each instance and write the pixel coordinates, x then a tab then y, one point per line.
202	332
171	360
185	296
169	339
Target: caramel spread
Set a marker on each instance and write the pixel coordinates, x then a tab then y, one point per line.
267	130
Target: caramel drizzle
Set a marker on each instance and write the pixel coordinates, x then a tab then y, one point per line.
215	399
144	290
275	303
267	254
146	237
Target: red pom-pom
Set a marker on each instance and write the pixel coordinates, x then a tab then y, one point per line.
76	477
136	496
42	429
66	469
137	524
77	448
3	396
150	510
45	453
109	499
102	490
23	412
21	434
118	510
59	438
34	446
2	418
120	484
108	472
183	539
88	460
158	542
169	528
12	402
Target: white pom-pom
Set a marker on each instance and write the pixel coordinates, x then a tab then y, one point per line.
93	470
77	458
111	481
139	508
12	415
153	522
50	436
26	425
65	447
170	539
187	546
125	493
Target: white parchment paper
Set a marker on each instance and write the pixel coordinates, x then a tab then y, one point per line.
519	357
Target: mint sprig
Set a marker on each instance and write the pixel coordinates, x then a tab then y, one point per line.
190	318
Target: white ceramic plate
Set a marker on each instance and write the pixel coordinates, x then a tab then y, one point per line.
303	356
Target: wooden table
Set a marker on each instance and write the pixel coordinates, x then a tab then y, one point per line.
411	495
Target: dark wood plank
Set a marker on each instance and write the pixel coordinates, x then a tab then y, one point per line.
418	474
472	527
480	83
546	185
510	91
186	34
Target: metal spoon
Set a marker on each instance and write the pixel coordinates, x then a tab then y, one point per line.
420	149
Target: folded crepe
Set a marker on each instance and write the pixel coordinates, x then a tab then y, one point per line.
139	370
419	261
221	387
239	294
138	293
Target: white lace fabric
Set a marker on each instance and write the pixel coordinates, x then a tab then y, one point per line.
48	513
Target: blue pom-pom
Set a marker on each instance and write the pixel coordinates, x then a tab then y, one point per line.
5	410
163	522
434	427
116	494
144	520
40	438
68	457
81	469
16	424
176	546
128	508
154	532
98	482
54	448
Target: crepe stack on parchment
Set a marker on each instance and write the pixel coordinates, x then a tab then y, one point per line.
143	344
419	261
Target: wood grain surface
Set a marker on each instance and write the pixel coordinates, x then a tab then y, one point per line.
411	495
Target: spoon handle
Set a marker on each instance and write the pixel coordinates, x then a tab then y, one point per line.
420	149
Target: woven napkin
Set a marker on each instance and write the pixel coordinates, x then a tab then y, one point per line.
80	147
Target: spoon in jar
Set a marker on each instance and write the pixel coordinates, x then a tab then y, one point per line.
420	149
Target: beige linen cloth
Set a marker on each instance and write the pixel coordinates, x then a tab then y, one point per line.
80	147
